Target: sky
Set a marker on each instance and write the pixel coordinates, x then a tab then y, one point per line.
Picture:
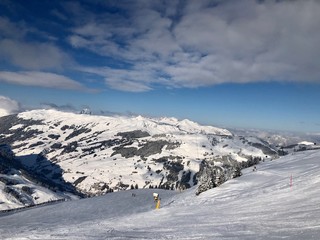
229	63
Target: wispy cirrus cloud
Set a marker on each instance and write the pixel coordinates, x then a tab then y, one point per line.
40	79
33	56
36	61
130	81
196	44
15	49
12	30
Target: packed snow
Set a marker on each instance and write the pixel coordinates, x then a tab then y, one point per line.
278	201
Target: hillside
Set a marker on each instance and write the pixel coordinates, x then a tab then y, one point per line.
264	204
99	154
19	189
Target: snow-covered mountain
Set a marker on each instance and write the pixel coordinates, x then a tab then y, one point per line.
278	201
18	188
99	154
279	139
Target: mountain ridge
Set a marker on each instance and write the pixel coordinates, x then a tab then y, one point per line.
99	154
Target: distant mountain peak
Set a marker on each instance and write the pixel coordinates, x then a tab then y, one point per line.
86	111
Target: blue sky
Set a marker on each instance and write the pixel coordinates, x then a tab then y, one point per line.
244	63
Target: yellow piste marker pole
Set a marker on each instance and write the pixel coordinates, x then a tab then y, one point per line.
158	204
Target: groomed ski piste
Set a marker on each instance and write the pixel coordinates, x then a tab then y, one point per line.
281	200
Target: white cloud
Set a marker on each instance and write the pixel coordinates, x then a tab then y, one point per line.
266	41
26	54
59	15
41	79
8	106
34	56
203	43
130	81
11	30
128	84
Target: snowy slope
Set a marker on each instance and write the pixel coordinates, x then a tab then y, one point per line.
264	204
18	188
16	191
99	153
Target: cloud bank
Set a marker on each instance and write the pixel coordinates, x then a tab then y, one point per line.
8	106
35	54
170	43
203	43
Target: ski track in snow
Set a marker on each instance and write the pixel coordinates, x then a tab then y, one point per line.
257	205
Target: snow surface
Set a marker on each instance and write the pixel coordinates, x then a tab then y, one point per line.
306	143
278	201
39	194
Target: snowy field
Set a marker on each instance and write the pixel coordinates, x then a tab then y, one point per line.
266	204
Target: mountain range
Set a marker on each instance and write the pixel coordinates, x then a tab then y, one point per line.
71	155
